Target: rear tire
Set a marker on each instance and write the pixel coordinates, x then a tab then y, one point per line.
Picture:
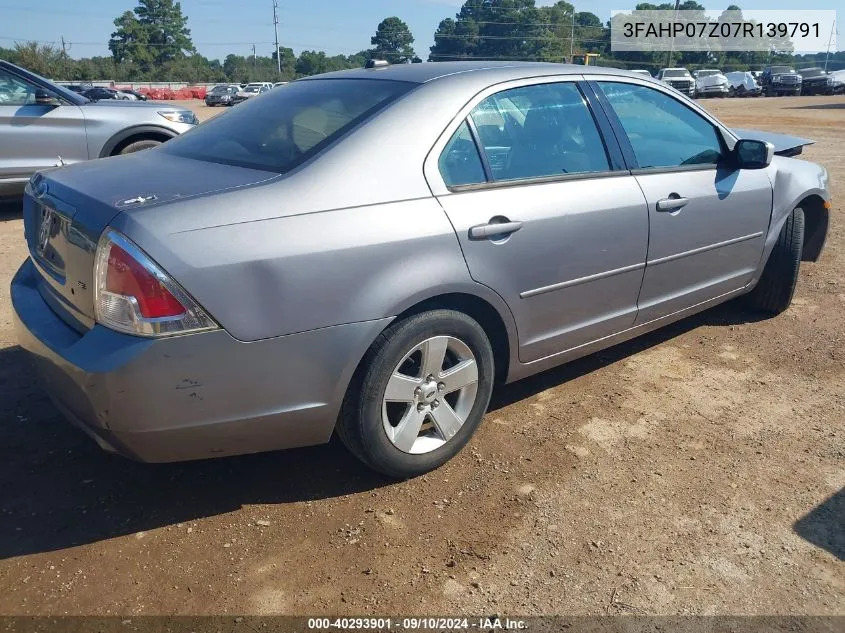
139	146
371	422
774	292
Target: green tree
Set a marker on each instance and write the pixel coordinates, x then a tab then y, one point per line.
41	59
152	35
288	62
393	41
492	29
130	42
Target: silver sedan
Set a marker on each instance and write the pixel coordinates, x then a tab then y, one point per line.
369	252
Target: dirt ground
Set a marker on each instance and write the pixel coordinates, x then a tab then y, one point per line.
698	470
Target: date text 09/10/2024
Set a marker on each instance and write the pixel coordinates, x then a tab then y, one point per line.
417	624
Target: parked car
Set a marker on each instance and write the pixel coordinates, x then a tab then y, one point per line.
98	93
838	83
251	90
256	285
679	78
742	84
139	96
778	81
815	81
711	83
77	88
43	124
221	95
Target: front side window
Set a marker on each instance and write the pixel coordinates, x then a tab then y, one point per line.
14	91
289	126
460	163
539	131
662	130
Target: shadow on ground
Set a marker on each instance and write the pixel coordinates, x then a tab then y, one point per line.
825	526
820	106
60	490
11	209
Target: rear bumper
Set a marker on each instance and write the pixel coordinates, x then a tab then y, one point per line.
189	397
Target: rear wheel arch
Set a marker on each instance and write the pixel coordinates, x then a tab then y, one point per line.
484	313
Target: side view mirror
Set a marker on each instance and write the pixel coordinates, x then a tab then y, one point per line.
751	154
44	97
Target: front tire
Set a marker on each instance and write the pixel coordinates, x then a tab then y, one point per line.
419	394
774	292
139	146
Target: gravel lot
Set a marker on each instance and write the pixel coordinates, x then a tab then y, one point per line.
700	469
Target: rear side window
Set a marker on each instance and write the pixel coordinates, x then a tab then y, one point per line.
284	128
662	130
460	163
539	131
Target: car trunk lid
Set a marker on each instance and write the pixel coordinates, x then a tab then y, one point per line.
63	224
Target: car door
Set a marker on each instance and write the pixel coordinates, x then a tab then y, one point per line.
708	219
545	213
33	136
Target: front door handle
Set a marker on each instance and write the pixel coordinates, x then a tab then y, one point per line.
672	203
494	229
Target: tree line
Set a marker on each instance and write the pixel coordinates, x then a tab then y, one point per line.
152	42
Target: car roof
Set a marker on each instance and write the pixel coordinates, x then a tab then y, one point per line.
480	70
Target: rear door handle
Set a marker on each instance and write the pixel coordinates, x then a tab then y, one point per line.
493	229
672	203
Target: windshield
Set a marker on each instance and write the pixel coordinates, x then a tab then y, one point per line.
708	73
675	73
811	72
220	90
781	69
252	88
287	127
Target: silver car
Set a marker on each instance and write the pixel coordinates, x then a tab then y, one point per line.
43	124
370	251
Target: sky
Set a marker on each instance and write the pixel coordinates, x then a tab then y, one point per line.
220	27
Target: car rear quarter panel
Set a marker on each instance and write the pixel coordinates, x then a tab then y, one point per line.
296	273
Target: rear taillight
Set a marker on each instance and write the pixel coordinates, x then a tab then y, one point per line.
133	294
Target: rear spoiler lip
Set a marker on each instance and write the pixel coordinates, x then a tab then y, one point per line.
785	145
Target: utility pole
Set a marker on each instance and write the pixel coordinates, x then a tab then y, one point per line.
830	39
254	58
572	37
276	30
65	46
672	45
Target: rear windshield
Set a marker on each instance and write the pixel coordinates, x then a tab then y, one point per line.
283	128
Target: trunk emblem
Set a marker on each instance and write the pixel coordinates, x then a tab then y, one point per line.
137	200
